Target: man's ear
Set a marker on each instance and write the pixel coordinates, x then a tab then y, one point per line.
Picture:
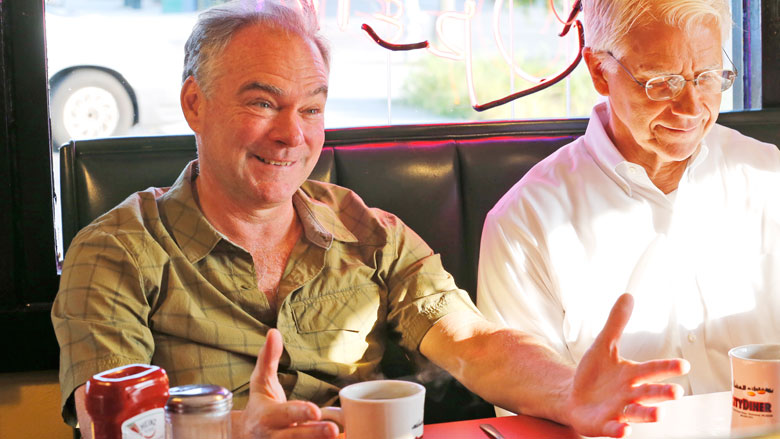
595	64
192	99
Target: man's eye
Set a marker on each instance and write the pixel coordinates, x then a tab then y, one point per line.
262	104
313	111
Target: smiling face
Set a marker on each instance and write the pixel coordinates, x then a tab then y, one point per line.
654	133
260	129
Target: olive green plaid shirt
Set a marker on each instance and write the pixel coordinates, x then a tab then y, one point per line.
153	282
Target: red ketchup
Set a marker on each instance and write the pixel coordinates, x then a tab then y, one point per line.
128	402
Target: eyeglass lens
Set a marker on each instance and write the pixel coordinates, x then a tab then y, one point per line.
667	87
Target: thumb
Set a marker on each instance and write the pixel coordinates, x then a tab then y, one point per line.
264	380
617	321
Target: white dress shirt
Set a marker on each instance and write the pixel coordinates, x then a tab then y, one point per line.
584	226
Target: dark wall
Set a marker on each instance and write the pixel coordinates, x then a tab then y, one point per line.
770	52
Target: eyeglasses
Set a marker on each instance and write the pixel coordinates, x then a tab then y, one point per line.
663	88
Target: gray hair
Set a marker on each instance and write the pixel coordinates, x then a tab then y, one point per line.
607	22
217	26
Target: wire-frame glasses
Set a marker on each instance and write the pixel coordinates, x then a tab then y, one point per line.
663	88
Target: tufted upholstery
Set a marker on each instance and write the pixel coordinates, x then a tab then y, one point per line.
442	189
439	179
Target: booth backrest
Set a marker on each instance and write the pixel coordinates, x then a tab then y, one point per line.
441	188
441	180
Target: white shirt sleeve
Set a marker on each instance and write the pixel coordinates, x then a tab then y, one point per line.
516	286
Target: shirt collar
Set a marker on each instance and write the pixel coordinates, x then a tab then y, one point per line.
197	237
600	146
698	157
193	233
321	223
597	141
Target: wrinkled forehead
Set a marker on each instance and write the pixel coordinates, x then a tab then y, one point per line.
663	45
262	45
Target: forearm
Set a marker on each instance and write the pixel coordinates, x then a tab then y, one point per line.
85	421
506	367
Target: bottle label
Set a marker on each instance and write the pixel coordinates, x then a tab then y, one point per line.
146	425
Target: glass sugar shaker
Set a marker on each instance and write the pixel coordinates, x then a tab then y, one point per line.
198	411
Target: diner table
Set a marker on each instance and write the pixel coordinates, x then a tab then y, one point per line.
698	416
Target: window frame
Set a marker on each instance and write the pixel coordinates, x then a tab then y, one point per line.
28	263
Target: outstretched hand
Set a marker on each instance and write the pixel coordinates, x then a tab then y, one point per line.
609	392
268	414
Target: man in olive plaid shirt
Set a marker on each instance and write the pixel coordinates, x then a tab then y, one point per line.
243	252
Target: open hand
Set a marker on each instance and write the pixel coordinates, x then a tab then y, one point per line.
268	414
608	391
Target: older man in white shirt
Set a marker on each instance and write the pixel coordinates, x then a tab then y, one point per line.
655	200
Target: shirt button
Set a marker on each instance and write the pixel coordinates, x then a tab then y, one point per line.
691	337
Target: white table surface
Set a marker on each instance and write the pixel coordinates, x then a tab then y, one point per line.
703	416
697	416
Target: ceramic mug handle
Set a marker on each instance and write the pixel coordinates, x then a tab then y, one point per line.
334	414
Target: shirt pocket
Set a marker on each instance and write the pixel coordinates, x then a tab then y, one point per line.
356	309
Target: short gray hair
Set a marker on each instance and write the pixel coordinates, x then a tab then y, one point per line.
217	26
607	22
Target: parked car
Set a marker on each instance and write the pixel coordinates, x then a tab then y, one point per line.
116	70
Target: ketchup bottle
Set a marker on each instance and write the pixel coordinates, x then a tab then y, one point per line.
128	402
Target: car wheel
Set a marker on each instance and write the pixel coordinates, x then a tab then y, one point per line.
88	103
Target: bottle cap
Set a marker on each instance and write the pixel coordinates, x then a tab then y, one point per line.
199	399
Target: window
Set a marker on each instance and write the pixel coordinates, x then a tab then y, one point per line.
115	65
28	274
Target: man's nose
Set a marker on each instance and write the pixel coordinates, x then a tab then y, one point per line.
287	128
689	101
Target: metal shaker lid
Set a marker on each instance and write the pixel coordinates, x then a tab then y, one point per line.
199	399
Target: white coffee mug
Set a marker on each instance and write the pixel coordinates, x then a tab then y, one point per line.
755	387
381	409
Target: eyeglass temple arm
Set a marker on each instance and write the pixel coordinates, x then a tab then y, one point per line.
545	83
736	71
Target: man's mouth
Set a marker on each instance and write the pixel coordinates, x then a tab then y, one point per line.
681	129
274	162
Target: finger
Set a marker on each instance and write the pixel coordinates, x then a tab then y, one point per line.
313	430
283	415
617	429
659	370
641	413
264	375
657	392
618	318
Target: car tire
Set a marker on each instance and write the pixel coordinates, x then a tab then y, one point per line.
89	103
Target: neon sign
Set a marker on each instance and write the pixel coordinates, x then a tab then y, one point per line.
392	13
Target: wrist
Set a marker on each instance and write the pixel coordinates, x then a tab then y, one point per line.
562	403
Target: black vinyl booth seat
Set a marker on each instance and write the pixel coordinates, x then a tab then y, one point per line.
441	188
441	180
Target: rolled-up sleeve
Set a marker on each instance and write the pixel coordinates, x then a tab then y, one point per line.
100	313
420	290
